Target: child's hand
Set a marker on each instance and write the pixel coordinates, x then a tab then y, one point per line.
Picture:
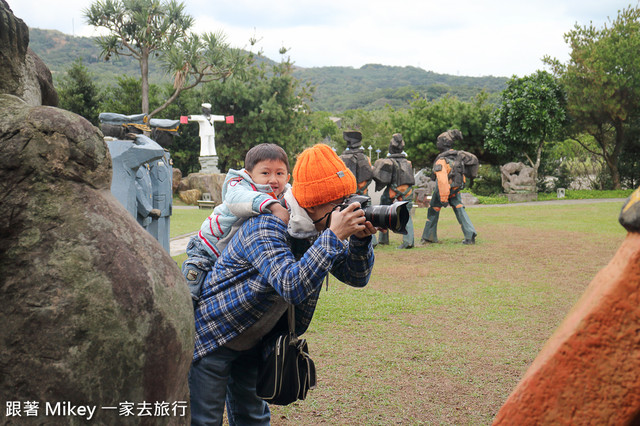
279	211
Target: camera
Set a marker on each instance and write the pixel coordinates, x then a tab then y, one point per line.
393	217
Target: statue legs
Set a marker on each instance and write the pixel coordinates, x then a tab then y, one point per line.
463	219
430	232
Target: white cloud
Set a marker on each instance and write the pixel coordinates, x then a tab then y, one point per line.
468	37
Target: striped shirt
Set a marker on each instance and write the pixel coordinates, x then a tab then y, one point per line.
258	265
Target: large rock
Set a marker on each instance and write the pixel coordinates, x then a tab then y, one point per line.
190	196
588	372
204	182
177	178
22	72
94	311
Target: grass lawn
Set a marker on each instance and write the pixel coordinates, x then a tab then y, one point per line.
185	221
442	333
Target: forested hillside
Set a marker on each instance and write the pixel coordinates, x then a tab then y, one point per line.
373	86
337	88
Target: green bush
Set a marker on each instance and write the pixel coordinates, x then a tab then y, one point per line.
488	182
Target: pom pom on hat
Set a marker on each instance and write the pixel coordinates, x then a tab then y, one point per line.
320	176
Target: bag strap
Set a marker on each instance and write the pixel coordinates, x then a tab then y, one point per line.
292	320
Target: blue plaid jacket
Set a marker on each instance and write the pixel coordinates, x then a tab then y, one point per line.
258	265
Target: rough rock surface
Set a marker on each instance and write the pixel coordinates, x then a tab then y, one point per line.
204	182
177	177
517	177
22	72
588	372
190	196
94	311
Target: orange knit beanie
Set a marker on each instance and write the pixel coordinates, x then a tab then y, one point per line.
320	176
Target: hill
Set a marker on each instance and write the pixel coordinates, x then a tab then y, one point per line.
373	86
337	88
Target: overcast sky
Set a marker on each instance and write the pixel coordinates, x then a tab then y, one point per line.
464	37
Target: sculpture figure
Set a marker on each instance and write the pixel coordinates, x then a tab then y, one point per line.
128	157
355	159
449	170
395	174
144	196
207	131
517	177
161	174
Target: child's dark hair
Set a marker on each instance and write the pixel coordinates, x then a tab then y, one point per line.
262	152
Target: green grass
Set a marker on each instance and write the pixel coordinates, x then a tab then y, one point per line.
580	194
185	221
584	194
443	333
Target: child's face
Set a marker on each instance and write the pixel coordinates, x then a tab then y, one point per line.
271	172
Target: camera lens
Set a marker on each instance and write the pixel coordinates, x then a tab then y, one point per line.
393	217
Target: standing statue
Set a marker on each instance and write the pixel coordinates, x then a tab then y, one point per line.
161	174
450	169
396	174
130	172
207	131
144	197
357	161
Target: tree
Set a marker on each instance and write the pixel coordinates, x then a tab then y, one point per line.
268	105
602	80
144	29
532	112
126	95
375	127
78	93
421	124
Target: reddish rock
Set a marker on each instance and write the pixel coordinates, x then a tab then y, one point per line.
589	370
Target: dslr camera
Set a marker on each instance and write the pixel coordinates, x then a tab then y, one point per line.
393	217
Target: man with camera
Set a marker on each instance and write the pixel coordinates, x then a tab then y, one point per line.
266	266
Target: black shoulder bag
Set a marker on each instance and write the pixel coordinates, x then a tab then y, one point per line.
288	372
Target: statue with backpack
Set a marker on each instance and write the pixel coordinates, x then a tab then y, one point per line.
356	161
395	174
451	169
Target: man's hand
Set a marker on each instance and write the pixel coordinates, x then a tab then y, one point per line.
367	232
279	211
155	213
349	221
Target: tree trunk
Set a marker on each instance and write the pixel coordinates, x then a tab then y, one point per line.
536	165
612	160
144	72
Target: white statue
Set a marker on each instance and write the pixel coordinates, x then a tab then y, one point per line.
207	131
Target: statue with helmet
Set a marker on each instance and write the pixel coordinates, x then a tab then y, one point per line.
395	175
451	169
356	160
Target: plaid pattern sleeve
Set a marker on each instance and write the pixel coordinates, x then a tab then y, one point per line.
257	266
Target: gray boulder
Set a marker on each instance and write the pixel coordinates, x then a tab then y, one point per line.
22	72
94	311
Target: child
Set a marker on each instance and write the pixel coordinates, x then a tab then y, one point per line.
245	193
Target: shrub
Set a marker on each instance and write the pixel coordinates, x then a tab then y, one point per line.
488	182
